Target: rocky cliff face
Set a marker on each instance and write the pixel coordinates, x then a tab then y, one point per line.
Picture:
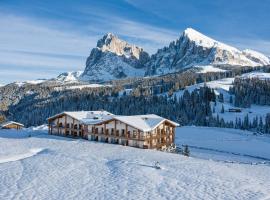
114	59
196	49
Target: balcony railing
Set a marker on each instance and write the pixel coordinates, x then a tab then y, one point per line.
66	128
121	136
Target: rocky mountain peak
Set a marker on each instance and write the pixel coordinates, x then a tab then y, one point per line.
112	43
114	58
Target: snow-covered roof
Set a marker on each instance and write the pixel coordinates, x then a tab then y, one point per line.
143	122
88	117
10	122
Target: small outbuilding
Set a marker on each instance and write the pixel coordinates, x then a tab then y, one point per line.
11	125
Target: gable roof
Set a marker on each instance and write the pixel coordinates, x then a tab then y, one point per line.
144	122
87	117
141	122
10	122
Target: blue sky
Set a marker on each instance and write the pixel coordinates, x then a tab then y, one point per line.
42	38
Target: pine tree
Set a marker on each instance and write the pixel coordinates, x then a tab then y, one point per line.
267	123
246	122
260	125
222	109
231	99
186	151
220	98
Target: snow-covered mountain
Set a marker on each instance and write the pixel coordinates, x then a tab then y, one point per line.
194	48
114	59
256	57
69	76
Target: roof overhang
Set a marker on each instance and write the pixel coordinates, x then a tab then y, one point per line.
11	122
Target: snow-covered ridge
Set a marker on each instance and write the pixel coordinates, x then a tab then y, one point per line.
205	41
69	76
196	49
256	56
33	82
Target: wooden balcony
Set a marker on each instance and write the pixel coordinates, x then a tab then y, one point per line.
119	136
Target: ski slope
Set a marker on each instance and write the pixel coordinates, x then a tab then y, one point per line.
68	168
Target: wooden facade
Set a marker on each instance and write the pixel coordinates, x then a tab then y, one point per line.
65	125
114	131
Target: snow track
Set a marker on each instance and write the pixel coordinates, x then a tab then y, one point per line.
12	158
261	160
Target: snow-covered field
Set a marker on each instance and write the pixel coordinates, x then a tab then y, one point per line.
52	167
226	145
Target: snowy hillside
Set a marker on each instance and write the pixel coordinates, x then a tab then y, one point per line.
51	167
193	48
223	86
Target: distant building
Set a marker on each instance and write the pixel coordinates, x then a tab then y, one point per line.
235	110
142	131
11	125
